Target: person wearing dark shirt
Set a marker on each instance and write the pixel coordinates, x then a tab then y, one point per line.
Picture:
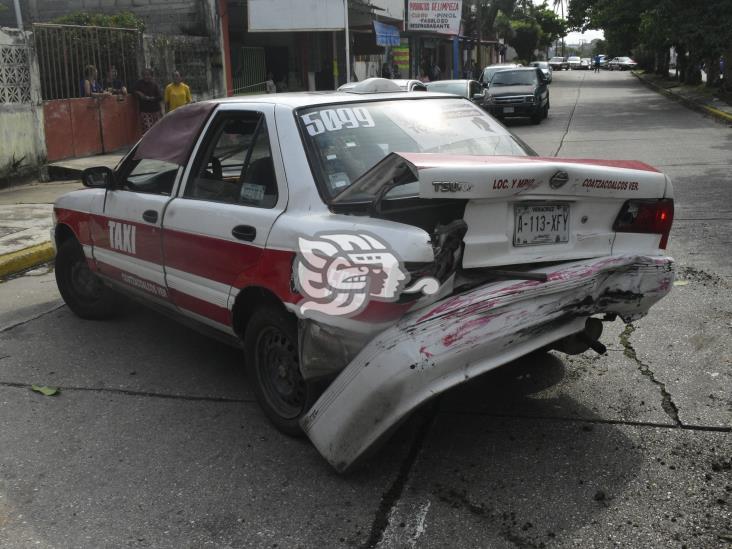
148	93
113	84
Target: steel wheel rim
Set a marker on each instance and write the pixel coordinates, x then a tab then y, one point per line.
85	285
279	372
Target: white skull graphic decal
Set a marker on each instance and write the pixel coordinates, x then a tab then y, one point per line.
338	274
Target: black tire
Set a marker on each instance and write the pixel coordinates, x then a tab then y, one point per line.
273	364
83	291
545	113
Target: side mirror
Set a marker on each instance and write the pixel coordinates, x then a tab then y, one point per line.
98	177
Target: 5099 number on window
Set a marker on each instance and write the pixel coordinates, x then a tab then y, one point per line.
331	120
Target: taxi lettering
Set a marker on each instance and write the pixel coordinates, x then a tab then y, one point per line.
500	184
122	237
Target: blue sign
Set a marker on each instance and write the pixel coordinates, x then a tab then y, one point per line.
386	35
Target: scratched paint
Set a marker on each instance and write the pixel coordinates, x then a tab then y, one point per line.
457	341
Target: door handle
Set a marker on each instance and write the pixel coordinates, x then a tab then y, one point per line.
244	232
151	216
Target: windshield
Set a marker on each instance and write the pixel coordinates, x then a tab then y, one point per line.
573	59
458	88
345	140
490	71
557	59
514	78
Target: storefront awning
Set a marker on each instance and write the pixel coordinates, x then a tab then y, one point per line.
386	35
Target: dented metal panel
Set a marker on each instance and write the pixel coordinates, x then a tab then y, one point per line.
440	346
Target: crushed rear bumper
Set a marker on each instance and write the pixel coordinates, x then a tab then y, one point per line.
435	348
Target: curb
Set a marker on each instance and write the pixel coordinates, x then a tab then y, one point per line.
720	116
15	262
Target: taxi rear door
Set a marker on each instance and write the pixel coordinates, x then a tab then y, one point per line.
215	230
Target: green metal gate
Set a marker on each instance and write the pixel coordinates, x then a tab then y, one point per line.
249	70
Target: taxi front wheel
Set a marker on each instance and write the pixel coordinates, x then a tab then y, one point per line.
273	361
82	290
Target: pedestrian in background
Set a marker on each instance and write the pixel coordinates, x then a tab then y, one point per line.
113	84
597	63
269	85
148	92
90	86
177	93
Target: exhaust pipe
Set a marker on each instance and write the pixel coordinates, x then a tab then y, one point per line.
581	341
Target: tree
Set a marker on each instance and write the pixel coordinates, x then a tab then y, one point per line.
526	37
700	32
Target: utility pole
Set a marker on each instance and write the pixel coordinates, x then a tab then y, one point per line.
18	14
480	33
561	4
348	44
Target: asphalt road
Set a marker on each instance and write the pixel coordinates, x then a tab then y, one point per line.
155	439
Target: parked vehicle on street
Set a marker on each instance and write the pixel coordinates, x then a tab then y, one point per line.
545	68
519	92
574	62
621	64
585	63
470	89
367	250
404	84
488	72
558	64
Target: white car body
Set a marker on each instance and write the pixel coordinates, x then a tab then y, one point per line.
189	258
621	64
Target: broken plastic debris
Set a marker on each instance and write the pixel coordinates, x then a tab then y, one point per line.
44	390
680	282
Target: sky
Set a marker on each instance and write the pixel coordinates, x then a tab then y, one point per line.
574	37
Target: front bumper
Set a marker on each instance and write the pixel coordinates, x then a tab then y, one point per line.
435	348
519	109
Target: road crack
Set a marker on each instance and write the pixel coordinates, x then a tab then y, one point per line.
132	392
571	116
391	497
44	313
667	402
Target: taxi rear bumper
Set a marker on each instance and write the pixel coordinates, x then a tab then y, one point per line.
462	336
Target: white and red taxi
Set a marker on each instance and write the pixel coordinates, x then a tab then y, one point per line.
367	250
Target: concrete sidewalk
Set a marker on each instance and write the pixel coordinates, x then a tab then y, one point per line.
699	98
25	223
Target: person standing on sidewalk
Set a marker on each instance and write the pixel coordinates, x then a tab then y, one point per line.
177	93
148	92
597	63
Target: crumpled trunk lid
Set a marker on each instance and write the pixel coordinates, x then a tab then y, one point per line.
520	210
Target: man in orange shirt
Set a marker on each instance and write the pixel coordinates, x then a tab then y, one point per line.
177	93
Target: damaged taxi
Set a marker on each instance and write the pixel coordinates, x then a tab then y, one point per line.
367	250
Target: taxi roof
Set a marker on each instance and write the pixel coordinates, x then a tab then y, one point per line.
295	100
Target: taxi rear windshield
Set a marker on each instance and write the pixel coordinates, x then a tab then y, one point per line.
345	140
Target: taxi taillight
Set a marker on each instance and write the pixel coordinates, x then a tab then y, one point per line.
646	216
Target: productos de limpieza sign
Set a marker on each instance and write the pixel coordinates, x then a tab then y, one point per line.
441	17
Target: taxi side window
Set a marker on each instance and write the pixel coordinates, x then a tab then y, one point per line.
149	176
235	165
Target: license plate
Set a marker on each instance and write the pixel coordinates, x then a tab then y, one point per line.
537	224
507	110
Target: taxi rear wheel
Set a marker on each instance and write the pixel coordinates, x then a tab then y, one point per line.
82	290
273	361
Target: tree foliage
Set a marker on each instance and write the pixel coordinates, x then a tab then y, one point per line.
700	32
121	20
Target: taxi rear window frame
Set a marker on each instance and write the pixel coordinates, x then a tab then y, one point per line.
309	144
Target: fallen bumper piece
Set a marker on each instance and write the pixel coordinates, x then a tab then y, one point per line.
460	337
